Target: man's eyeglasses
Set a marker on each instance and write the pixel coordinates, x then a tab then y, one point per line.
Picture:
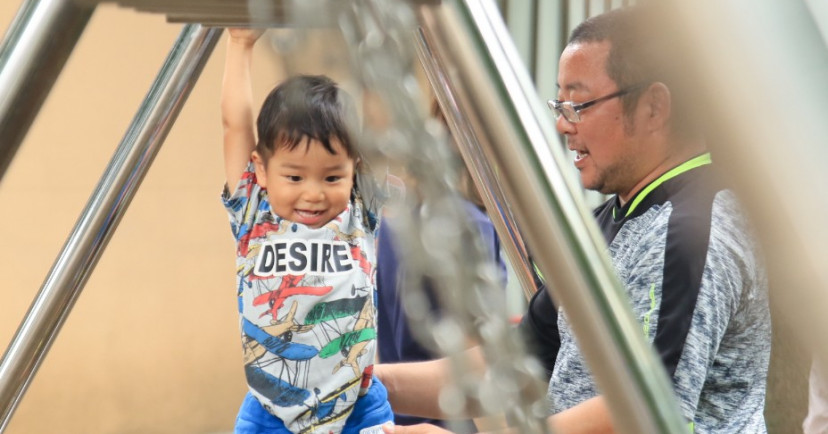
572	112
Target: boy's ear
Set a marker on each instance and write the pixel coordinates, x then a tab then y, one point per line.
259	166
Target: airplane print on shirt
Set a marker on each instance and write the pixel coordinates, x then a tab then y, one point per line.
306	303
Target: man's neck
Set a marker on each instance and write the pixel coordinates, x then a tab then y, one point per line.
621	201
685	152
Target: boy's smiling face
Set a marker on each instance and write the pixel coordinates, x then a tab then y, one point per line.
307	184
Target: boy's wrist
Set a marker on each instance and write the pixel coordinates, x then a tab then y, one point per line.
242	42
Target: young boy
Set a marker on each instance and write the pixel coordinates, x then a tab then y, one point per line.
305	255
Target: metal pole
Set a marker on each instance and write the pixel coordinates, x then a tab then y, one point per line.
103	212
496	94
484	176
32	54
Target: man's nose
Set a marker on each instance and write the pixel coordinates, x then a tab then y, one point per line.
564	126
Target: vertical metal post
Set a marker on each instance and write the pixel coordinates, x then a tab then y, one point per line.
32	54
498	100
103	212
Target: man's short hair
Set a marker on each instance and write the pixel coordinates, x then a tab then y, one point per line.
645	49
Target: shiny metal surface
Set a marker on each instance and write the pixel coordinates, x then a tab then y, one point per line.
485	177
230	13
493	91
102	213
32	54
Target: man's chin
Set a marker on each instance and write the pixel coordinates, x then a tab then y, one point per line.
592	185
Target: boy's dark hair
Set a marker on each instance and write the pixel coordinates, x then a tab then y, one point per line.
645	49
306	107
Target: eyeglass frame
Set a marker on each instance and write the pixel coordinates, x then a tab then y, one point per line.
558	107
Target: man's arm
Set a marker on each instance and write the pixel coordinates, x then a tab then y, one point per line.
414	388
237	103
591	416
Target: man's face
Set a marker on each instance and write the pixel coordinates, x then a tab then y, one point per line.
605	148
307	184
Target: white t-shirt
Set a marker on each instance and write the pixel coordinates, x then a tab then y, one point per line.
306	306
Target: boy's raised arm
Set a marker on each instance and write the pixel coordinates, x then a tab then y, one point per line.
237	103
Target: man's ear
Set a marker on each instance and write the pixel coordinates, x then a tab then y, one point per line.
259	166
659	102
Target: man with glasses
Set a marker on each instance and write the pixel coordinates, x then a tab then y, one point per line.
676	236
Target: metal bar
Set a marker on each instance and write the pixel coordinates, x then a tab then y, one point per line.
534	22
103	212
32	54
494	91
485	178
487	183
565	26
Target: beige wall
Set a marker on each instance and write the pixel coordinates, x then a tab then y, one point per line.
151	345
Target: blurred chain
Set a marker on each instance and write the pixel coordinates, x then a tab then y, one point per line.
442	245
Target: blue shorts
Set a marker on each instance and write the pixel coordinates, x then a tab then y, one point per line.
370	410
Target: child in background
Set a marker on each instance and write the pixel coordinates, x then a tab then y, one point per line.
305	254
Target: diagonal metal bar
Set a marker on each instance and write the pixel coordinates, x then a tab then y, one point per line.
484	175
103	212
34	51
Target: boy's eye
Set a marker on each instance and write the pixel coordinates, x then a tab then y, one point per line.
333	178
294	178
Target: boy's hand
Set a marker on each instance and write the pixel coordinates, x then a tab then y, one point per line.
246	36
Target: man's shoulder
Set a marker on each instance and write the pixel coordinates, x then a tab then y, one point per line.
732	238
695	204
731	228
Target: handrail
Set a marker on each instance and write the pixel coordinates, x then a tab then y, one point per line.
103	212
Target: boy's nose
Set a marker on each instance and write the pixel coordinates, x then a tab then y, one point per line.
314	194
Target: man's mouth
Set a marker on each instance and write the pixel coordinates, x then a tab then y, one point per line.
580	155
